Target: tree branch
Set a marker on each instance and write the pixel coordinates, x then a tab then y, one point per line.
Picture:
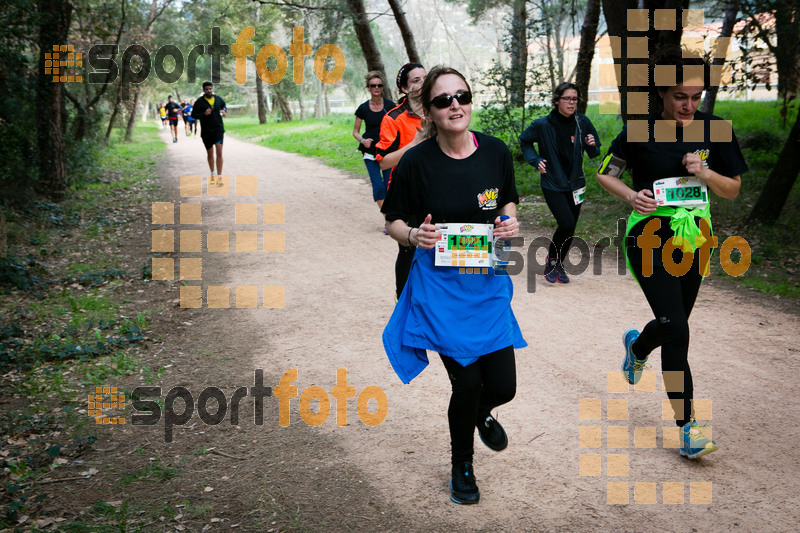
285	3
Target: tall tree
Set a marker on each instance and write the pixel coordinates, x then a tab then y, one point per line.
720	51
261	101
366	40
780	181
405	31
781	39
91	27
54	21
517	43
662	38
145	34
583	69
519	53
616	15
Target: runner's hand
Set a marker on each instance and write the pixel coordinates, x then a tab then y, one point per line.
507	228
208	111
694	165
427	235
542	168
590	140
644	203
366	142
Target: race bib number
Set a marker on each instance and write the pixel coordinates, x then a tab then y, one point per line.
686	191
577	195
464	245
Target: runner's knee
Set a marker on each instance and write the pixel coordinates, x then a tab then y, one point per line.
674	330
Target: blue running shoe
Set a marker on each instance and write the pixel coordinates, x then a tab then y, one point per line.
693	443
631	366
463	488
550	270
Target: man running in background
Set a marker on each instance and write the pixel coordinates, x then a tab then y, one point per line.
186	111
209	110
173	109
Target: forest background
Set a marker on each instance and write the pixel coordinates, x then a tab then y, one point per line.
79	161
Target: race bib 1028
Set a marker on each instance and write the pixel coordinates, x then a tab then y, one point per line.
683	191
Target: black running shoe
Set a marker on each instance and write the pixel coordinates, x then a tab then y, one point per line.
561	274
492	434
463	488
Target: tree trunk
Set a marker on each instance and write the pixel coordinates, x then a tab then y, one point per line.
366	40
300	102
548	45
780	181
261	101
318	102
114	112
616	15
55	16
405	31
787	51
670	37
583	70
731	10
137	91
286	111
519	53
3	235
556	27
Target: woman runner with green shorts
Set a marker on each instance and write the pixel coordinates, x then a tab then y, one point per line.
683	154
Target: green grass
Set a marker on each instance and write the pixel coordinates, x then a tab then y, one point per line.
761	132
329	139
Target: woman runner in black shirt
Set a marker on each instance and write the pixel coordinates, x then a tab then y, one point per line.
460	177
687	152
371	113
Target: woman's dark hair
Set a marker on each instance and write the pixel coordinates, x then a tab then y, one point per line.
680	58
562	88
425	95
402	74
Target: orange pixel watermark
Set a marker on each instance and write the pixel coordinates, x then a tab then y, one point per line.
106	398
209	243
59	60
618	438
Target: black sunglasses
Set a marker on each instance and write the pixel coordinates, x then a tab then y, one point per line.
374	85
444	100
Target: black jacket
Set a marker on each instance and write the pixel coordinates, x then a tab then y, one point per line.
209	123
543	131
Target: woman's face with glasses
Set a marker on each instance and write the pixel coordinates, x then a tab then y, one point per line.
451	92
568	102
375	86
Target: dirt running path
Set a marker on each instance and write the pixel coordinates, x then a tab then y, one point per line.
338	275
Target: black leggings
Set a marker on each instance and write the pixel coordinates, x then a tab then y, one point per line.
671	299
477	389
405	254
566	214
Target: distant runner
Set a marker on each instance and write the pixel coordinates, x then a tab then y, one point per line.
209	110
173	110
